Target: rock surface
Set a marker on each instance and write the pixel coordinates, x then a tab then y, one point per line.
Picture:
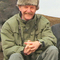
7	9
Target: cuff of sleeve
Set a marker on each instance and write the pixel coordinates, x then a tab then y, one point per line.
42	43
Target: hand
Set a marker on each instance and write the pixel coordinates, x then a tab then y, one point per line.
31	47
27	49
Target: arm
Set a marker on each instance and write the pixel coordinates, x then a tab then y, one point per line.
8	41
47	37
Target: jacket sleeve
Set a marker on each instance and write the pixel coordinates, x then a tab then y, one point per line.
8	42
47	38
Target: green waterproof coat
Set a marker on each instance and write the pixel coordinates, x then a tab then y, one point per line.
16	31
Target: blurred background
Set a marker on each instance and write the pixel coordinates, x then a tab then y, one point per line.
50	8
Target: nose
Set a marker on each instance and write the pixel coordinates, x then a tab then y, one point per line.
28	10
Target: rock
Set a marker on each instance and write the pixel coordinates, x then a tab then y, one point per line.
7	9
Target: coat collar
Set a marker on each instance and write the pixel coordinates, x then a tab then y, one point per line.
29	23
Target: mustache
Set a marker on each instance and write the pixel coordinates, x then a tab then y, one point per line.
28	13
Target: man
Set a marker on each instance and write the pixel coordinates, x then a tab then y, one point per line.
28	36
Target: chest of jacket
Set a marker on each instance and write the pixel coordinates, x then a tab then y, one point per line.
27	33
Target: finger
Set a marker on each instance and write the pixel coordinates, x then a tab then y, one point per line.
29	52
29	40
27	46
26	42
30	43
31	46
26	50
33	49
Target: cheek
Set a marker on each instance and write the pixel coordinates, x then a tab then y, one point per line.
23	11
33	11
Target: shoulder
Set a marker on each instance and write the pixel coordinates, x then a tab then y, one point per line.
11	23
42	21
41	18
13	19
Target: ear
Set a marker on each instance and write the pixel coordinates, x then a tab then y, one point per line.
19	8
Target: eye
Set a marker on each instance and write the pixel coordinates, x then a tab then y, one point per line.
26	6
32	7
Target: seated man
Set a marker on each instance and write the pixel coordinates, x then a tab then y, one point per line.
28	36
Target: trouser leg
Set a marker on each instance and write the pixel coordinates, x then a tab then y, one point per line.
51	53
16	56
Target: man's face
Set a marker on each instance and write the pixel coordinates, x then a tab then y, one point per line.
27	11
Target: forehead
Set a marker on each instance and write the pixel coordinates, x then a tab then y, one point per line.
28	5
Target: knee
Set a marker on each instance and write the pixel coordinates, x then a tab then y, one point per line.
53	49
15	56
